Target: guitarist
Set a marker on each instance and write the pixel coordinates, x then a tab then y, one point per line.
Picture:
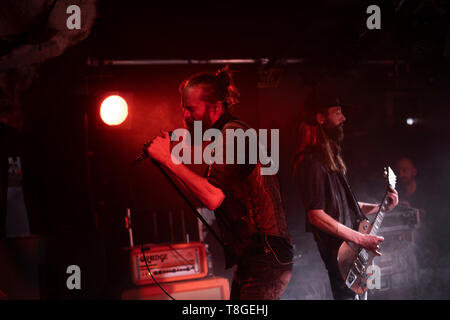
332	211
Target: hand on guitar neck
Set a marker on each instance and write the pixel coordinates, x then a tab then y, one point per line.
371	208
392	198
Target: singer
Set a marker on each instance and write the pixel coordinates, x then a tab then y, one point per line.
247	205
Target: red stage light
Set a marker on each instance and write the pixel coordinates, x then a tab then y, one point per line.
114	110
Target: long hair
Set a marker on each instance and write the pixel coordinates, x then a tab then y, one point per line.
329	152
216	87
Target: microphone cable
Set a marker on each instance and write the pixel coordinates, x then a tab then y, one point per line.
151	274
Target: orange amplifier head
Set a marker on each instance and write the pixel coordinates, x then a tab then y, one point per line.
172	262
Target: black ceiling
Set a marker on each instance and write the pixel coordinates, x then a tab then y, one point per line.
336	30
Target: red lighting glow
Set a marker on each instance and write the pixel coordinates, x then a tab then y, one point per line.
114	110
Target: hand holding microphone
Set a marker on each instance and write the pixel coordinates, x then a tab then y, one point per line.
157	148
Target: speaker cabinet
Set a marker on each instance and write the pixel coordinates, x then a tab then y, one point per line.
214	288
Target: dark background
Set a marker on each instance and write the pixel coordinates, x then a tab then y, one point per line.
77	179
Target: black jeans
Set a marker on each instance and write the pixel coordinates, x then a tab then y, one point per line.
263	272
339	288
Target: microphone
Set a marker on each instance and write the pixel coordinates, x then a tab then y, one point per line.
144	154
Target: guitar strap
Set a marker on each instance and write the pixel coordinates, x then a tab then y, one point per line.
360	215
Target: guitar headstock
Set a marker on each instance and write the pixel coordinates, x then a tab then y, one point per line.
390	177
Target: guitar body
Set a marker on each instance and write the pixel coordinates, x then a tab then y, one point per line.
353	261
352	265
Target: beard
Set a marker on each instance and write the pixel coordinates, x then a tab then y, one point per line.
402	183
335	133
401	186
189	124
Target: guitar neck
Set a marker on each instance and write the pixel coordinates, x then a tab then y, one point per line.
379	218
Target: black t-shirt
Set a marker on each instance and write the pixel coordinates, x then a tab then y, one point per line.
252	208
322	189
419	199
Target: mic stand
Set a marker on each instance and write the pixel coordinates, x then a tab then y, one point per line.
141	157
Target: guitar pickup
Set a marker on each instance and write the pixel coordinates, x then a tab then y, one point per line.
355	265
360	266
351	277
363	255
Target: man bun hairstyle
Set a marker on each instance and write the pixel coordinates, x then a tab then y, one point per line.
216	87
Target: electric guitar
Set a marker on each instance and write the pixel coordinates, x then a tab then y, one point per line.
354	260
